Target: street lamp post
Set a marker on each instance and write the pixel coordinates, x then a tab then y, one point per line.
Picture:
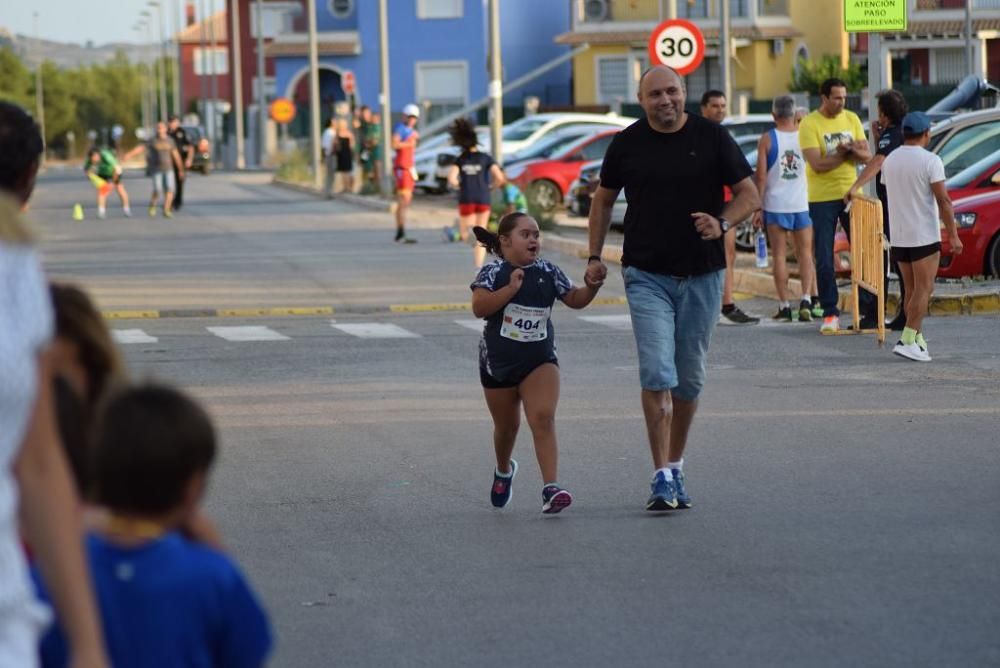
39	92
496	84
163	60
314	95
237	77
143	89
261	98
177	59
384	97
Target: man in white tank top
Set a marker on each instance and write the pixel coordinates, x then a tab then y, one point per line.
781	181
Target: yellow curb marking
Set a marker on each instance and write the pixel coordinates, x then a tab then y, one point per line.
129	315
281	310
424	308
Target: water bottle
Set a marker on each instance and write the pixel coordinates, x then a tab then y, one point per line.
760	245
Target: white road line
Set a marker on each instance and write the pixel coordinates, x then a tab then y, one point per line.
127	336
247	333
623	321
475	325
375	330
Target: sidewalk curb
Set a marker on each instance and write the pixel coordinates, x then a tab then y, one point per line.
374	203
761	284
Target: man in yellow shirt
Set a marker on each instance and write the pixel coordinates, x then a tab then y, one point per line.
833	144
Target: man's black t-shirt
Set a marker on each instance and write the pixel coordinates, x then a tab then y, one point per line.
181	140
667	176
474	177
890	139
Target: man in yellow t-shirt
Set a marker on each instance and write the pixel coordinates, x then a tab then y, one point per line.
833	144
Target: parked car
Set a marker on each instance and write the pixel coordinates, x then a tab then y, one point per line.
518	136
748	125
551	144
545	182
425	160
976	178
202	159
978	218
961	127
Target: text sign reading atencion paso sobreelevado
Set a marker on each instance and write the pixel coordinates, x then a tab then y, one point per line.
875	15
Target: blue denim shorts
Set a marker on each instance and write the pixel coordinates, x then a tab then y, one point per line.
163	182
673	319
791	222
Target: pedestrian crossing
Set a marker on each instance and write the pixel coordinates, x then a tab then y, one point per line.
157	331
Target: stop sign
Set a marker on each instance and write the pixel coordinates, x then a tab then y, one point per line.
347	82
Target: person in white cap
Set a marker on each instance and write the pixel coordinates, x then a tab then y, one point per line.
404	143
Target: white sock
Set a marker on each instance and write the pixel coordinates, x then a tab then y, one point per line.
101	210
807	298
677	466
783	305
508	474
127	209
666	473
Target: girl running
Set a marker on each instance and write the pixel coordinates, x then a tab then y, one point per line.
474	174
517	356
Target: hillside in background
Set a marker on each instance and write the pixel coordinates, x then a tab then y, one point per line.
64	54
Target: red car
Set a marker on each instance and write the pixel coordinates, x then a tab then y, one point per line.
975	179
978	219
545	182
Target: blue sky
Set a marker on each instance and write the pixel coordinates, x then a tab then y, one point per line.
78	21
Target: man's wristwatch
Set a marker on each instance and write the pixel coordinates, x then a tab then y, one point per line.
592	258
724	225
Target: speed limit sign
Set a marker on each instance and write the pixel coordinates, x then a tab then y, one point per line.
678	44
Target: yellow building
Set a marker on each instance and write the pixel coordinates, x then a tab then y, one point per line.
768	37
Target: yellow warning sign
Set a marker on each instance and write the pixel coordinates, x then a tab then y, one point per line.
875	15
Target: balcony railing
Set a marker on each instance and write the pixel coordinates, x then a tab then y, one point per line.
635	11
772	7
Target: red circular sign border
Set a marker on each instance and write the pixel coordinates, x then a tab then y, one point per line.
693	29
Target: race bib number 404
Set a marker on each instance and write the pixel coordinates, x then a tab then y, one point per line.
525	323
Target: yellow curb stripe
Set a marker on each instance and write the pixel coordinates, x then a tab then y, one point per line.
425	308
129	315
609	301
274	311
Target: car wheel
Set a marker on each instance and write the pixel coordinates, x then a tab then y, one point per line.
991	265
205	169
544	195
744	236
583	205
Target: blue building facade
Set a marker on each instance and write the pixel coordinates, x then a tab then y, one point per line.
437	52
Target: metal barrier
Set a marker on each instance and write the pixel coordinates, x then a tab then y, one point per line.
868	248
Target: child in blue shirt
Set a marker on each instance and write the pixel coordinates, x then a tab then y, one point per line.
164	600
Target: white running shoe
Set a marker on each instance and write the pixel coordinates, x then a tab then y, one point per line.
912	351
831	325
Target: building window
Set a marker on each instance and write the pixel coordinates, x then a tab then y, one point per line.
441	87
949	65
439	9
205	64
340	9
704	78
612	79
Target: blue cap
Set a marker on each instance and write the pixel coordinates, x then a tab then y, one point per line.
916	123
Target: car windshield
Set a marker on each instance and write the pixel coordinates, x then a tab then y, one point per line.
522	129
548	146
957	157
974	172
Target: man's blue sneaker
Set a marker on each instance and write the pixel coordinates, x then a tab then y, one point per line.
664	496
500	493
554	499
683	499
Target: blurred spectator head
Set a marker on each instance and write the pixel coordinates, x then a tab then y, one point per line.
83	351
21	149
783	107
154	447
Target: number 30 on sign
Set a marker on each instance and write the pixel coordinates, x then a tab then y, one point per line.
678	44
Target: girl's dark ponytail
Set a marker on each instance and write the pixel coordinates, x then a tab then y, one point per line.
490	240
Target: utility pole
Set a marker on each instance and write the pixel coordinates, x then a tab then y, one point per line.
163	60
969	58
143	99
39	92
383	97
496	84
725	52
314	95
177	60
213	131
668	9
237	77
261	97
202	60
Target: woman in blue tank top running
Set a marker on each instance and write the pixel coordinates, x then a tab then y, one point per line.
517	356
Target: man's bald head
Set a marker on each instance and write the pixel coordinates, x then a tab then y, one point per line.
661	96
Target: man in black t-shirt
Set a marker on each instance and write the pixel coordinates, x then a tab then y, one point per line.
186	149
887	133
673	167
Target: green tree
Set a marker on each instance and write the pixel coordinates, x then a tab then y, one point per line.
810	75
15	79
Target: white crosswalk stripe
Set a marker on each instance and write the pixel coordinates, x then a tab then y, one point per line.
622	321
375	330
127	336
475	325
247	333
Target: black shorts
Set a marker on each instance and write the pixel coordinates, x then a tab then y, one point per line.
491	383
914	253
